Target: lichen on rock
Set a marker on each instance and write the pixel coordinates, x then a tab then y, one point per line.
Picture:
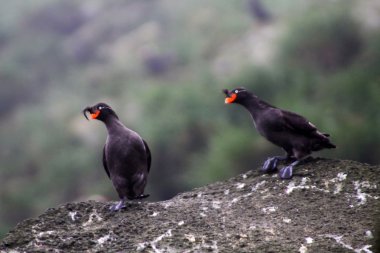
329	206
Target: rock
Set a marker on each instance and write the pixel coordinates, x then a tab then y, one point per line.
329	206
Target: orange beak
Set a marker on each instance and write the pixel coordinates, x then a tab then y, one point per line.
95	115
230	99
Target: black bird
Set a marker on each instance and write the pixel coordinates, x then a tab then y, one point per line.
295	134
126	156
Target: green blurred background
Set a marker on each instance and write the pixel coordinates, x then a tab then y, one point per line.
161	65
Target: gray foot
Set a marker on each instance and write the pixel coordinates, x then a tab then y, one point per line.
287	172
270	165
118	206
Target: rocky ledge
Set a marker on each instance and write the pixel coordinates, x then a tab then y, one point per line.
329	206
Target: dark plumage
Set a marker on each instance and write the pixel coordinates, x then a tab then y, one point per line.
126	156
295	134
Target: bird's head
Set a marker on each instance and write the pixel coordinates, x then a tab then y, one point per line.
100	111
235	95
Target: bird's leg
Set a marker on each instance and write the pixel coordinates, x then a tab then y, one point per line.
119	205
287	171
270	164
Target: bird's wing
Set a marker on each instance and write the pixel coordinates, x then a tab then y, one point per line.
148	154
105	161
297	122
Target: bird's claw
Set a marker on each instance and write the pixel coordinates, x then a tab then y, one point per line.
118	206
270	165
286	172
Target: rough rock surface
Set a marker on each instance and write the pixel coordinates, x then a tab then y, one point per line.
329	206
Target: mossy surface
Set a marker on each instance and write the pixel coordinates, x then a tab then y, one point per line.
329	206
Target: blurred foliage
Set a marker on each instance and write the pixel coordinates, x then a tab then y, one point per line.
326	41
162	65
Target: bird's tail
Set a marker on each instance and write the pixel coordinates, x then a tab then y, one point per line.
321	142
330	145
326	141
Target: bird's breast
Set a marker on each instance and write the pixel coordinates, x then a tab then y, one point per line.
124	151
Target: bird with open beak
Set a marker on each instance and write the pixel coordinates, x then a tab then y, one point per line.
288	130
126	156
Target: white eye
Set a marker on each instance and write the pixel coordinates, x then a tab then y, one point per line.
236	91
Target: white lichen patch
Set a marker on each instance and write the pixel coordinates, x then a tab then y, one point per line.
240	185
340	177
44	233
339	240
203	214
103	239
234	200
41	236
362	196
309	240
286	220
338	188
72	215
366	184
368	234
93	218
189	237
291	187
153	243
303	185
154	214
302	249
257	186
181	223
269	209
199	195
226	192
244	176
364	249
336	182
216	204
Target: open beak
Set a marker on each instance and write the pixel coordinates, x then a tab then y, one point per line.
230	97
90	110
93	114
85	110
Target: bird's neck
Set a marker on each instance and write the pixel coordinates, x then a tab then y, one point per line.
255	106
113	125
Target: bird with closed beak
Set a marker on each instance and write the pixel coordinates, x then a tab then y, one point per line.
126	156
288	130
